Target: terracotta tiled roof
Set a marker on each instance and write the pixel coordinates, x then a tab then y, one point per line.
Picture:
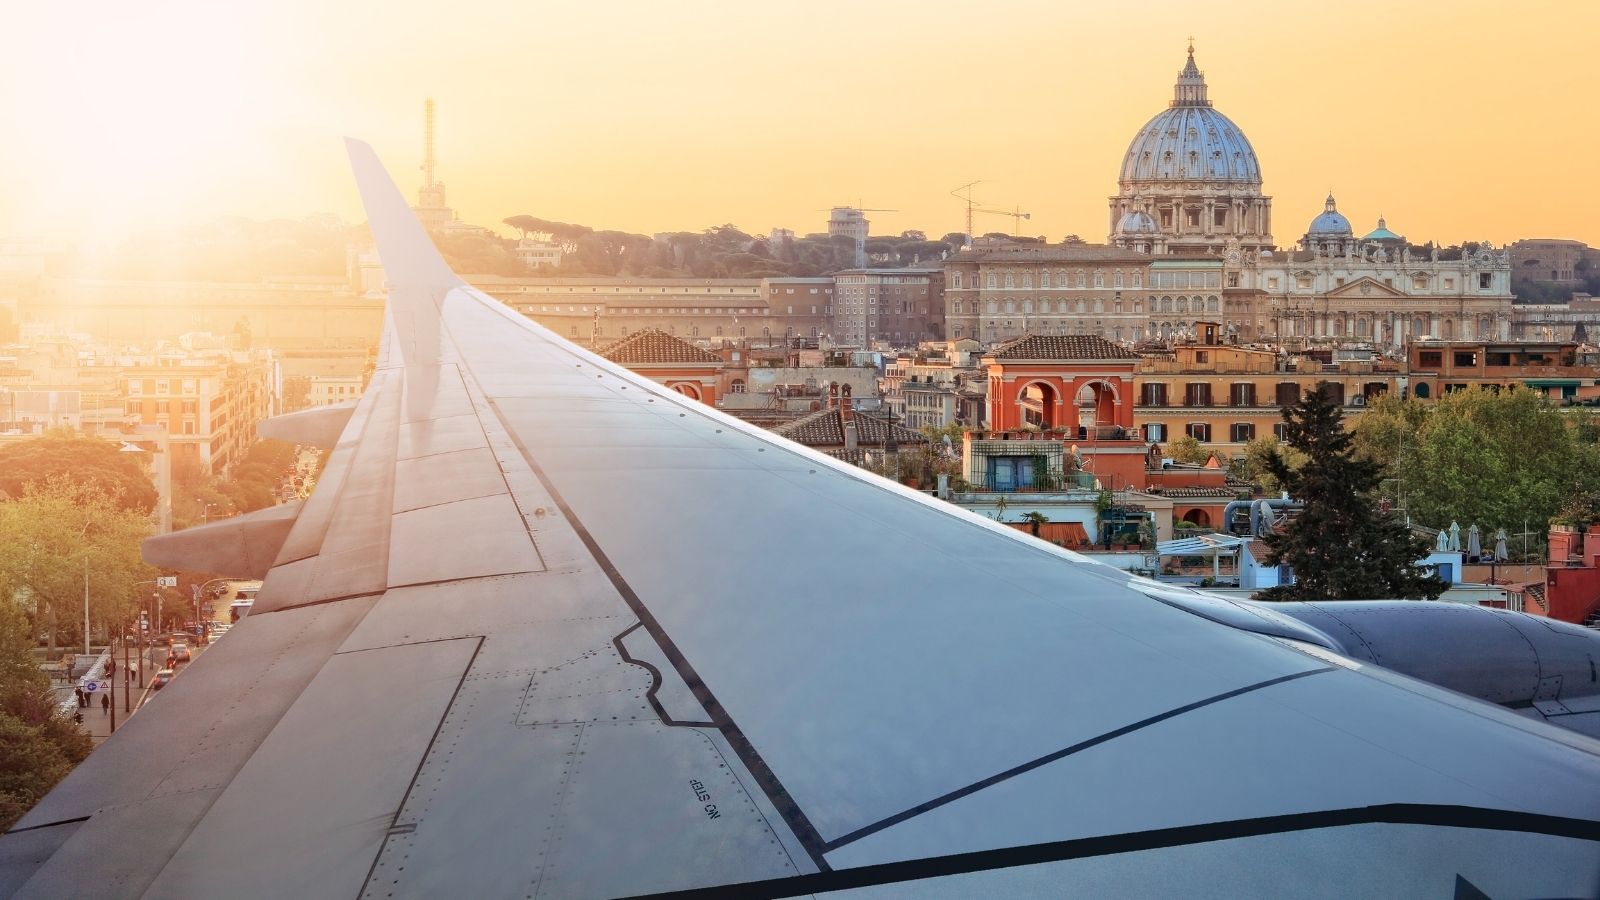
654	346
825	428
1197	493
1062	346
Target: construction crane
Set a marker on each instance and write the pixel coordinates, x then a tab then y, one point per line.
1017	215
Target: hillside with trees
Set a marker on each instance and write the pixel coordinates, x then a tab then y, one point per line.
723	251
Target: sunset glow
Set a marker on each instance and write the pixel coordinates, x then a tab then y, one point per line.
1455	121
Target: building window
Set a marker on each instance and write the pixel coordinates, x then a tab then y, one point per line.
989	281
1027	281
1302	281
737	386
1242	432
1288	393
1219	216
1116	280
1233	279
1243	394
1082	282
1197	393
1485	281
1200	431
1011	281
1138	279
1099	279
1155	394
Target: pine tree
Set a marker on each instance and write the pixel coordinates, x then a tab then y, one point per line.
1341	546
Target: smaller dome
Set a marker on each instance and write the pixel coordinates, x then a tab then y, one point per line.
1382	233
1331	223
1137	222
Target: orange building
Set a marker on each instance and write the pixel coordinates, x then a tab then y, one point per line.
1040	380
670	361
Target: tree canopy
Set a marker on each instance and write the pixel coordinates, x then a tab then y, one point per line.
55	533
1494	459
1342	545
86	460
38	746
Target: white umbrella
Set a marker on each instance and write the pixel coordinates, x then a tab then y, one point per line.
1474	549
1500	545
1442	542
1455	537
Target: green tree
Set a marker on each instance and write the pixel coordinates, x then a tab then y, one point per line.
55	533
1034	520
82	459
1342	547
1187	450
38	746
1491	458
1253	466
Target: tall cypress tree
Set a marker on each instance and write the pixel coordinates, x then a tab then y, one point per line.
1342	547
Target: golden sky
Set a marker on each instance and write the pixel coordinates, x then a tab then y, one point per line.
1456	120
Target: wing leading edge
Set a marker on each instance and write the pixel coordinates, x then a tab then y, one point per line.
548	627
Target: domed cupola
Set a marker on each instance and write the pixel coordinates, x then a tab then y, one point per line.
1192	171
1331	224
1138	222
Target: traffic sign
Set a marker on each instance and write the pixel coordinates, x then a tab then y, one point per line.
96	687
167	581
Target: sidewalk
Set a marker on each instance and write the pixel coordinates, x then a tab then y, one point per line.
97	722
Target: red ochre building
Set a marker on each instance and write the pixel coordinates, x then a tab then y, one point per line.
1076	390
670	361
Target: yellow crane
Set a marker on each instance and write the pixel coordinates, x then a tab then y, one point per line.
964	194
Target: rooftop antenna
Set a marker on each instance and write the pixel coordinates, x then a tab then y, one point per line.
427	142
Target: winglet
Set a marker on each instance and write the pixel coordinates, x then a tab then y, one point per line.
418	277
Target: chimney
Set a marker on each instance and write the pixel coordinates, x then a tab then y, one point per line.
847	408
850	442
833	396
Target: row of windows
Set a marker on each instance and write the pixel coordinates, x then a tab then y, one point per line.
695	332
1238	432
162	386
1244	393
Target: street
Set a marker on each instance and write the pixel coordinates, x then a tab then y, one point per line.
97	721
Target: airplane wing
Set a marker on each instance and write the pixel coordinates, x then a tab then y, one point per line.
547	629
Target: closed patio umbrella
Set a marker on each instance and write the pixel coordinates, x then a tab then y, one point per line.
1474	549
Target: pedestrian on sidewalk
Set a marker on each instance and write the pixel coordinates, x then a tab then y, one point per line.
105	704
78	692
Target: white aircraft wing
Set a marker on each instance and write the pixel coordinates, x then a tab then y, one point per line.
547	629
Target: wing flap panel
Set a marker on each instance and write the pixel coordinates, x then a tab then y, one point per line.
317	427
338	765
242	546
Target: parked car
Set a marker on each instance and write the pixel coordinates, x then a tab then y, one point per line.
180	652
161	679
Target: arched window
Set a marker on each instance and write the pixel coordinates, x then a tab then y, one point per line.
1027	280
989	281
1011	306
1011	281
1027	306
955	280
993	307
737	386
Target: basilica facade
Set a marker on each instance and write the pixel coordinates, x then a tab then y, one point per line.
1191	240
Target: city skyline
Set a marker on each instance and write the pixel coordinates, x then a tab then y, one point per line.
763	118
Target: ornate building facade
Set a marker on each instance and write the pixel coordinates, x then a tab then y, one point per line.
1190	181
1191	240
